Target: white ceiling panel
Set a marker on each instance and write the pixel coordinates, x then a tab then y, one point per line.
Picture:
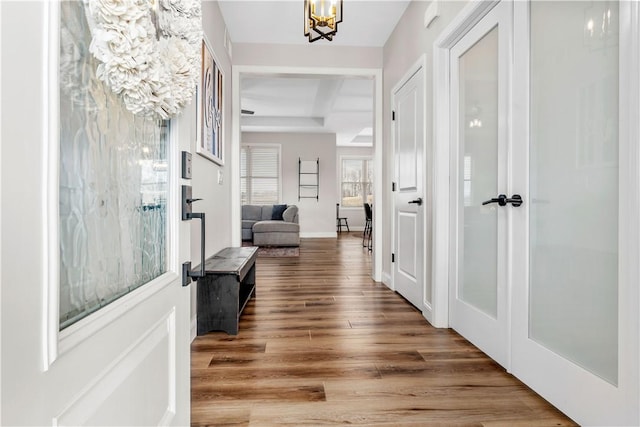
325	104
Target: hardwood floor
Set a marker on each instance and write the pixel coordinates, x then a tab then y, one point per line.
322	344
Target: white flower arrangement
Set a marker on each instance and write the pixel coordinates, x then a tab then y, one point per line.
154	66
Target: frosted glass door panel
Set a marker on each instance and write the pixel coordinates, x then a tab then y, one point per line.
113	184
407	143
574	182
478	68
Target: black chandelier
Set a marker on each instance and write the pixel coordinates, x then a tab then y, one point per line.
321	19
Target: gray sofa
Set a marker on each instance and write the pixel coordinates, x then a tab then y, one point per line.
260	227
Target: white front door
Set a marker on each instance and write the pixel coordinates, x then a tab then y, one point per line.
479	96
78	207
408	270
575	240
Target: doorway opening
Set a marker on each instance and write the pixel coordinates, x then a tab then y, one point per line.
328	115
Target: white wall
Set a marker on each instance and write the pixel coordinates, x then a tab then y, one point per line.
355	216
404	47
307	55
216	197
205	172
317	218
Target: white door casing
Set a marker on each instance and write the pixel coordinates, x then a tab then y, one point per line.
409	197
480	69
125	364
373	73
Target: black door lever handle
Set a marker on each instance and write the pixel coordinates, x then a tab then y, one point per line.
502	200
417	201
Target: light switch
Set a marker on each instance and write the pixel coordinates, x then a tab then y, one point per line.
186	165
220	177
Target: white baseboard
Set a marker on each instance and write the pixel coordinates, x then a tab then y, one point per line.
386	279
319	235
356	228
194	328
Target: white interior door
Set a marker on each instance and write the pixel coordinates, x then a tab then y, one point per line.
479	96
408	268
66	180
575	275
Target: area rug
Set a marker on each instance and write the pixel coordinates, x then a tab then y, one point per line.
279	252
274	252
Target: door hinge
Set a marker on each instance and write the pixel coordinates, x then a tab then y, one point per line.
393	115
393	257
393	186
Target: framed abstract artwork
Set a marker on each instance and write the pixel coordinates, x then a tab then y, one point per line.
210	142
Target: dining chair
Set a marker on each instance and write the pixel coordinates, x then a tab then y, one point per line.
368	226
340	220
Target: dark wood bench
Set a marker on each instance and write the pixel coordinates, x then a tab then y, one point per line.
226	288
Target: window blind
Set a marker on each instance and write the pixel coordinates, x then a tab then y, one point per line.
260	174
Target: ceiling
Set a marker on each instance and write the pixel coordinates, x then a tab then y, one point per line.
365	22
316	104
312	104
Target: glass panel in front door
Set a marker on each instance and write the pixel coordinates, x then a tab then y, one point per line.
113	184
478	165
574	182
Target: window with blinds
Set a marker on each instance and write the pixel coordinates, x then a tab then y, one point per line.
260	174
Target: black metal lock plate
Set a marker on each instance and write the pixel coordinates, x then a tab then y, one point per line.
186	202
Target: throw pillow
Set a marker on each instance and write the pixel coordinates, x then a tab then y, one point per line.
290	213
276	213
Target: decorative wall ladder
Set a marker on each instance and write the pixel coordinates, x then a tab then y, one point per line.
309	179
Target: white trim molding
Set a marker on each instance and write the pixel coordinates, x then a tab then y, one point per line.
51	164
193	327
318	235
386	279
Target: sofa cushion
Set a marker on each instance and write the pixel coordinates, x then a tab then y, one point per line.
275	227
267	211
248	223
276	239
289	215
247	234
252	212
276	214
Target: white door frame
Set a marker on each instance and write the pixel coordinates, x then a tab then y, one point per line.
465	20
376	74
420	66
